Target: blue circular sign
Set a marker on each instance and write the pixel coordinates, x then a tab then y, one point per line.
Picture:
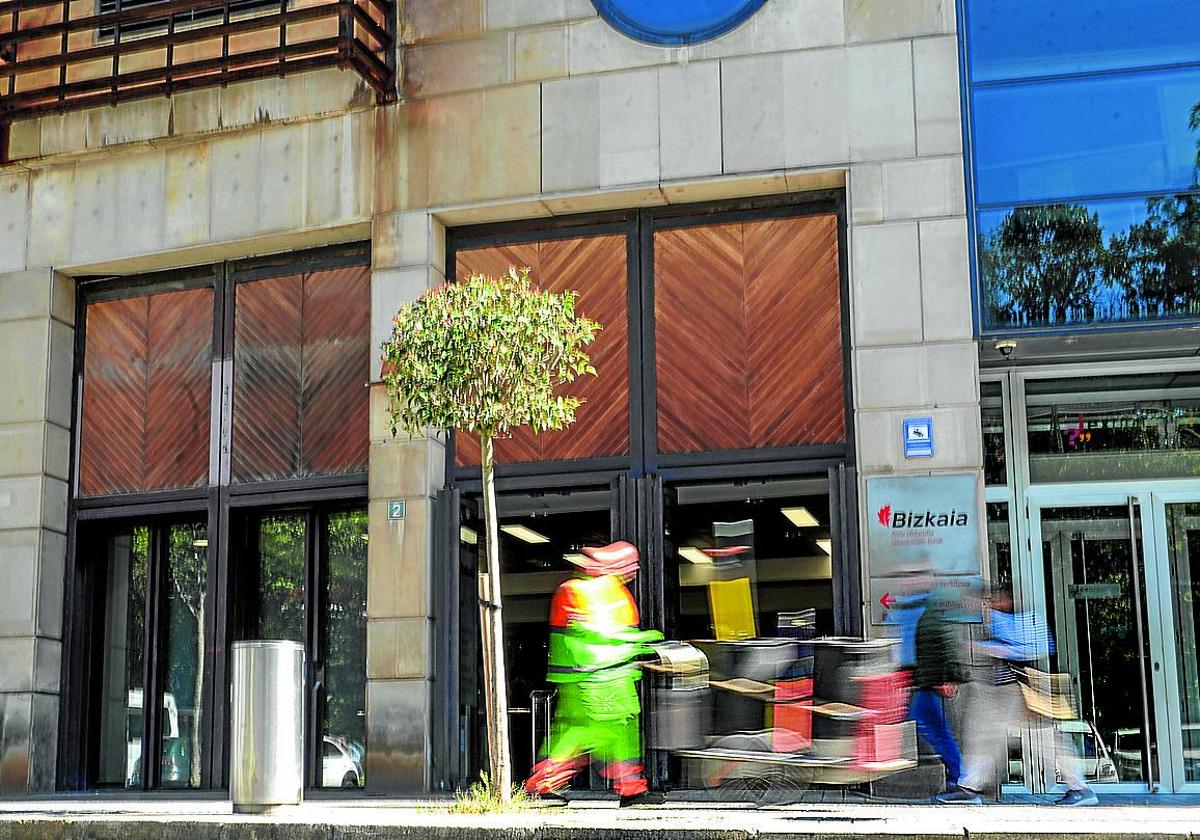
675	22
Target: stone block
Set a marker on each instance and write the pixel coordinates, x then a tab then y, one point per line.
16	747
927	374
628	147
403	468
25	140
14	220
128	122
816	123
435	69
689	120
484	145
398	648
596	47
936	85
282	176
16	663
866	193
57	451
718	189
510	14
945	280
47	665
62	299
141	187
24	353
430	20
44	744
187	195
752	124
778	26
401	137
195	111
54	504
398	727
21	502
235	165
26	294
391	289
882	120
19	570
571	134
885	276
254	103
61	370
925	188
540	54
21	448
398	558
64	133
52	559
957	442
884	20
51	215
94	234
402	240
616	199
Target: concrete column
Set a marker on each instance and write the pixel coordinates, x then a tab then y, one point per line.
408	257
37	317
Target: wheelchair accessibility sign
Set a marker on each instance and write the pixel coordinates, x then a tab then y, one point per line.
918	437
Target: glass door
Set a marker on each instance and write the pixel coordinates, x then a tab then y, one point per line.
1093	581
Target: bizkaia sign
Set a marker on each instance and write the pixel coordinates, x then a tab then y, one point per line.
923	523
675	22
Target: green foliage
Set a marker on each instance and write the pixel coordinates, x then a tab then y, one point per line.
485	356
483	798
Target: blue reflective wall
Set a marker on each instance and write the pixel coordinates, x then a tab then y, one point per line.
1084	119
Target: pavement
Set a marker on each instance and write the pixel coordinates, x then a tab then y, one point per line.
93	817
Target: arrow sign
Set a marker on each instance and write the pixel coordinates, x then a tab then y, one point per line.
887	600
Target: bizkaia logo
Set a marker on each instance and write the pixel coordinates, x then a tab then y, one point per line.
920	518
671	23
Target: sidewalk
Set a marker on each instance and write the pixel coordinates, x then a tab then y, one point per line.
95	818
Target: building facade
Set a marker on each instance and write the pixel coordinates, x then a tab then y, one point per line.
207	225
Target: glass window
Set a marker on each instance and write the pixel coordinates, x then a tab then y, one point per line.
1114	427
1183	548
281	556
1103	261
1083	137
345	637
995	463
123	659
187	586
1016	38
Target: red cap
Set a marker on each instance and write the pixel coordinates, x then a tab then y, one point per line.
619	558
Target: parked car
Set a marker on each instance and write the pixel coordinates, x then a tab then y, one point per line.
341	762
174	770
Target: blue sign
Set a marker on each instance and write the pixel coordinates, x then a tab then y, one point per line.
675	22
396	509
918	437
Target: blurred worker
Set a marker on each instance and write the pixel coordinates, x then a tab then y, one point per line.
1017	640
594	639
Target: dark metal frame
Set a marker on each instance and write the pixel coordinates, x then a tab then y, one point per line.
639	479
362	43
218	500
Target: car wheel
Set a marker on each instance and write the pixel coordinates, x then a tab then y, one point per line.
350	780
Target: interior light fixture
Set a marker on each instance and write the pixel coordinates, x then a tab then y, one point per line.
525	534
200	543
826	546
692	554
467	535
575	557
800	517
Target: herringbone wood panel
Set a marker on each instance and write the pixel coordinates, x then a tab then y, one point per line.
748	335
146	393
594	267
301	364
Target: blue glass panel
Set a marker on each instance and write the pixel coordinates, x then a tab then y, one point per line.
1020	38
1104	262
675	22
1086	137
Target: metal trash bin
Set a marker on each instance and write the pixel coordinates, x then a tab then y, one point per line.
266	754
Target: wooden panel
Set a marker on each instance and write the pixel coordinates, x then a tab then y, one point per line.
748	335
595	268
301	364
146	393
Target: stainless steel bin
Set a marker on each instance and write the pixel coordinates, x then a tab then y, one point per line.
266	755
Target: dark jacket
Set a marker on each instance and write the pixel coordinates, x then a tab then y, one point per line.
937	651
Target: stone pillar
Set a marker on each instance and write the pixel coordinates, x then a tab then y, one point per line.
408	256
37	317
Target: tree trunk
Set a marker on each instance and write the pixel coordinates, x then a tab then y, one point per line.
492	634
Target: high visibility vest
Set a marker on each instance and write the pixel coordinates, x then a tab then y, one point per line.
593	631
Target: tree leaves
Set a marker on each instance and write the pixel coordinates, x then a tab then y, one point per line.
486	356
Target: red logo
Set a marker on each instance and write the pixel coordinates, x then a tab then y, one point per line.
885	515
887	600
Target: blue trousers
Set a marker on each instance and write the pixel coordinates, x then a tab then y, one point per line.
926	709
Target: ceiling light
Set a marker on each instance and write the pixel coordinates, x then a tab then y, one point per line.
800	517
200	543
692	554
526	534
826	546
576	558
468	535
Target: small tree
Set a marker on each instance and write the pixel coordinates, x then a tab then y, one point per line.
486	356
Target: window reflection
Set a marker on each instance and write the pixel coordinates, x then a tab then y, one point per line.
345	638
186	578
995	464
1183	547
